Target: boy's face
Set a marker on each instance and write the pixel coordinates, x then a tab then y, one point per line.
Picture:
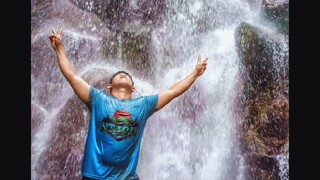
122	79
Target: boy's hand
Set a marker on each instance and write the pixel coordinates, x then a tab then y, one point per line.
201	66
56	39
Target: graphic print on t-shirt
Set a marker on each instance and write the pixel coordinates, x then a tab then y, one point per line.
120	126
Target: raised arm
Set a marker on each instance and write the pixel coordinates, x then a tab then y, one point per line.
179	88
80	87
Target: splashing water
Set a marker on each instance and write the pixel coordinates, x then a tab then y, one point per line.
193	137
283	161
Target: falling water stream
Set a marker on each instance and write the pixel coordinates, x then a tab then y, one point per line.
193	137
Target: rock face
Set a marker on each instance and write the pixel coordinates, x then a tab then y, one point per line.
117	14
135	52
64	157
261	167
277	13
37	116
263	100
264	56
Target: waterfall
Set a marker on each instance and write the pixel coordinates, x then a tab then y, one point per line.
193	137
283	161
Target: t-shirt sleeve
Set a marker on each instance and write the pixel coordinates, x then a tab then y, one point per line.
94	95
152	102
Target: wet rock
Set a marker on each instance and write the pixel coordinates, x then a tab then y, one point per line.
263	55
135	53
268	129
262	167
63	157
47	79
40	9
262	100
117	14
277	13
38	114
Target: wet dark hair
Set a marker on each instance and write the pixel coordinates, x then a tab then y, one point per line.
124	72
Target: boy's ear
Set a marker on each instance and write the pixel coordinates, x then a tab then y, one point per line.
133	89
109	86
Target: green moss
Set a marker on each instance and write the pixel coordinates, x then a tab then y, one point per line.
247	37
246	42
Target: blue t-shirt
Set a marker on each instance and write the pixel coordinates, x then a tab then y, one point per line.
114	136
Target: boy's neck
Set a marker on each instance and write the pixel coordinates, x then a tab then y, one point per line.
121	93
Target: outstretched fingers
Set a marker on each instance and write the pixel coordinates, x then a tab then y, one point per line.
204	63
200	61
54	34
199	58
60	33
53	31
